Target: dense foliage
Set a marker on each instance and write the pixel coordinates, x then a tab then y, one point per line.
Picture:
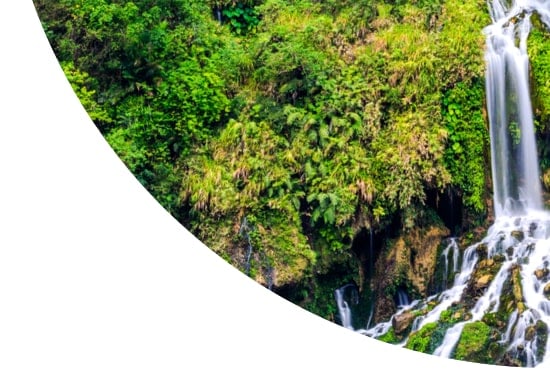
278	130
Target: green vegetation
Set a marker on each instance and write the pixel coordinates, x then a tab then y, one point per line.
467	141
310	120
539	55
473	343
426	339
389	337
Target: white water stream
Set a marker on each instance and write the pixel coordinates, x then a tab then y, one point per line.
516	182
519	239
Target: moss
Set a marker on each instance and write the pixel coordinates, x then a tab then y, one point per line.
445	315
494	320
542	337
516	289
389	337
453	315
474	342
423	339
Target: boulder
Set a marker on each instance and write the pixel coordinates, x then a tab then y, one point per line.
518	235
541	273
402	322
483	281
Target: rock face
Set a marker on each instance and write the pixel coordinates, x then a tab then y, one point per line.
402	322
407	264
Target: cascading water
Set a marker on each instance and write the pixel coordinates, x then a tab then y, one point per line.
515	171
502	290
345	296
451	250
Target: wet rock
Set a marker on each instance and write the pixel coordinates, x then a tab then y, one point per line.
541	273
410	261
509	360
518	235
483	281
516	288
482	250
510	251
402	322
530	333
486	263
499	258
546	291
532	228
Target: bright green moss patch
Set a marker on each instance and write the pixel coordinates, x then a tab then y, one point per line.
389	337
422	340
473	343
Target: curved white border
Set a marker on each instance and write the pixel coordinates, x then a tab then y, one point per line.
95	274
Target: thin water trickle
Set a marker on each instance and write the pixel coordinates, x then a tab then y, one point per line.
451	248
345	296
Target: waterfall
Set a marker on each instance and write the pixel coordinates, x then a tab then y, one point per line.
520	242
244	230
503	282
452	247
515	172
402	298
344	310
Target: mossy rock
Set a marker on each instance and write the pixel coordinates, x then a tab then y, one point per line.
530	332
511	297
499	258
453	315
517	289
495	320
518	235
390	337
542	336
426	339
481	250
541	273
474	342
482	276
